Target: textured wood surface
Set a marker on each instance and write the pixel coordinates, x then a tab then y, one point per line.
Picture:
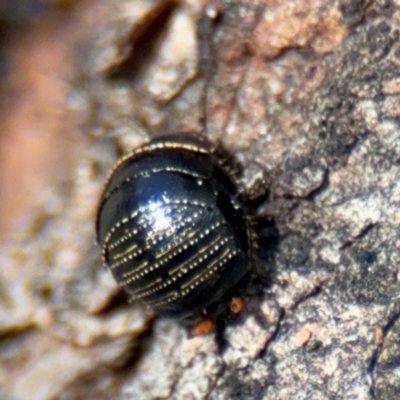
305	92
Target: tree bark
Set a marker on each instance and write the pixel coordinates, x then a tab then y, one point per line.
305	92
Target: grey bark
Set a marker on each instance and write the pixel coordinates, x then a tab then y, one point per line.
307	93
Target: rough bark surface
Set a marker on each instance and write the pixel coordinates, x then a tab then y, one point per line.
306	91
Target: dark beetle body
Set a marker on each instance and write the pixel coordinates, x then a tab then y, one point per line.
171	227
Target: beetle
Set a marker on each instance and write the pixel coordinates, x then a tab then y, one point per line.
173	224
172	228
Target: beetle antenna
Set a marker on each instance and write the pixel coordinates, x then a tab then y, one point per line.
205	31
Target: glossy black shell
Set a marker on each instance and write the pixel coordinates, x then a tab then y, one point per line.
171	227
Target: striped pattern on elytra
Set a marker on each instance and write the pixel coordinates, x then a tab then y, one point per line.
177	269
